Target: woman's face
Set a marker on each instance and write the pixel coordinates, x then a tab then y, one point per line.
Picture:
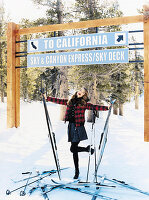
80	93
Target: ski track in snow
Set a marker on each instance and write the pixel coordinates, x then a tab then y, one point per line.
27	148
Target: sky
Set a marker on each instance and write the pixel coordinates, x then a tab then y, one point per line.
17	9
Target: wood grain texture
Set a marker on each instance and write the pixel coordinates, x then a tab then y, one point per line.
11	104
146	80
81	24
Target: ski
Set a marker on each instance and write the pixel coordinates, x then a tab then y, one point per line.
70	186
64	183
89	193
97	192
83	184
103	139
33	190
53	171
8	192
42	188
51	136
123	184
57	185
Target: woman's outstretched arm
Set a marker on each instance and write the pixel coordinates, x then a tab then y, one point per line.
57	100
91	106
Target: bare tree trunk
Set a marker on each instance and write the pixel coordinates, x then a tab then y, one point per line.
137	96
115	109
93	94
93	86
63	90
136	83
63	70
121	109
2	90
90	7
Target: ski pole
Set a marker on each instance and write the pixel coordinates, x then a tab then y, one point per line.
91	143
89	158
36	187
8	192
95	157
103	139
23	193
44	172
96	193
51	139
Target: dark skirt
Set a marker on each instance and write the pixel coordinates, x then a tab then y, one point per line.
76	134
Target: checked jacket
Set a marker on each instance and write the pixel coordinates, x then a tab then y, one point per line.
79	110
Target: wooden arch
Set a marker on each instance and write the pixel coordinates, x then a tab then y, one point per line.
13	74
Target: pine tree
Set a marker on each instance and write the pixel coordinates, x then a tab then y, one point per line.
31	77
2	54
99	74
55	12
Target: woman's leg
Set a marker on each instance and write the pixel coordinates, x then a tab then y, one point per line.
74	150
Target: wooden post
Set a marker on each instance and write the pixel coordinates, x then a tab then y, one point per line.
12	83
146	80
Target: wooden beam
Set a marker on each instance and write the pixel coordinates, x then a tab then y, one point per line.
17	89
81	24
146	80
11	80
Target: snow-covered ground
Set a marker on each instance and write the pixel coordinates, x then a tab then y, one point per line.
27	148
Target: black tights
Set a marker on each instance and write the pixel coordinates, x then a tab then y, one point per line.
75	149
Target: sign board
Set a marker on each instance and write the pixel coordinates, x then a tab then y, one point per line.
78	42
78	58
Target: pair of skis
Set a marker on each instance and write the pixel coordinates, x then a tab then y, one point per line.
80	187
51	136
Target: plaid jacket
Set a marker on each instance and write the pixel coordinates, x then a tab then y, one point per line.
79	110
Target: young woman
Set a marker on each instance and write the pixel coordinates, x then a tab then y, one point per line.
75	114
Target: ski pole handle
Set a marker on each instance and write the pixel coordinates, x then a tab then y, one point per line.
25	173
112	101
43	94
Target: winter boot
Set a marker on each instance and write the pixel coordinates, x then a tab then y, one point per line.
76	174
88	149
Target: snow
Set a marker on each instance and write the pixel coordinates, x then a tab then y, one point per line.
27	148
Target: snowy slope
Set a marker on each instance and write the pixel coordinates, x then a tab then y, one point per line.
27	148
